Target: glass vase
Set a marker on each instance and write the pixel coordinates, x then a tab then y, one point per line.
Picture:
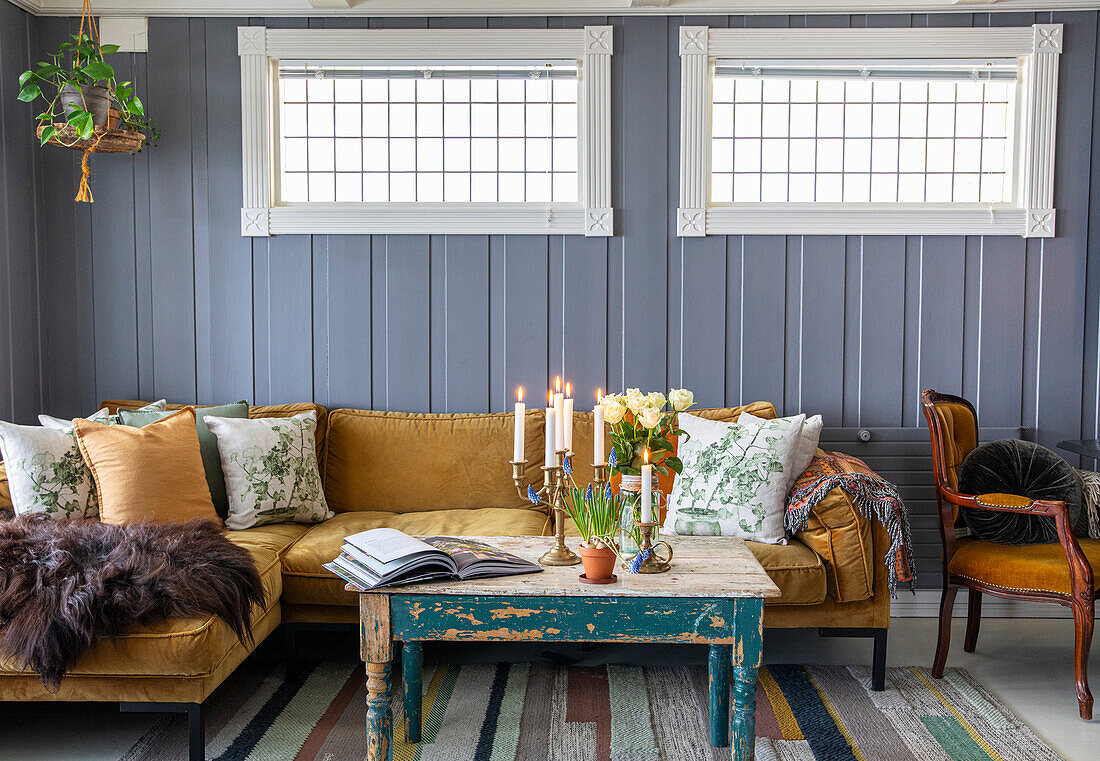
630	492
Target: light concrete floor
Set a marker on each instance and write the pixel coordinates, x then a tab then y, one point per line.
1024	662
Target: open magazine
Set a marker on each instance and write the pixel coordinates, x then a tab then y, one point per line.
383	557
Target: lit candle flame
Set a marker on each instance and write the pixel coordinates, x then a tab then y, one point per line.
519	393
549	398
568	390
647	456
557	383
599	395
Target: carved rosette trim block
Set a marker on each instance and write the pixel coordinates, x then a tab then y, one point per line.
1040	223
256	222
691	223
694	40
252	40
598	40
599	222
1048	38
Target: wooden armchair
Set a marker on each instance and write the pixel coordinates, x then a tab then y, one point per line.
1059	573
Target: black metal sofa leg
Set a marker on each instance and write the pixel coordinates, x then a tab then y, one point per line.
196	722
878	663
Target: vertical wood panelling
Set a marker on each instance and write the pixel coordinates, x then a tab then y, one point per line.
644	206
230	255
113	275
171	211
20	386
1062	327
821	330
153	292
881	307
465	324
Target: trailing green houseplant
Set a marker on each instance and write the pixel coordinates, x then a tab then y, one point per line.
79	87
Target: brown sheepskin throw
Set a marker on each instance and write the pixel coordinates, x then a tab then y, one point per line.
65	585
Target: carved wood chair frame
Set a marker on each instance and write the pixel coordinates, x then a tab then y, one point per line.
1081	601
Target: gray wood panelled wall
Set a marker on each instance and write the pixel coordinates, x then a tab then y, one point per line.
152	292
20	387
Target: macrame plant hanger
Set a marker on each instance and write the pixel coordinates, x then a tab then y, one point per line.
84	192
114	136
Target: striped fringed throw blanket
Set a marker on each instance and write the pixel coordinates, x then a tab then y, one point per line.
876	499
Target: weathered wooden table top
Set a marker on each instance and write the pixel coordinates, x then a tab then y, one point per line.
701	567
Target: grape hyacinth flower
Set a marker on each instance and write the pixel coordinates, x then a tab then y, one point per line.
607	492
637	560
588	493
532	495
567	466
612	459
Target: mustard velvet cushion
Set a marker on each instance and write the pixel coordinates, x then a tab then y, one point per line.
305	582
796	570
1028	568
152	474
404	462
5	490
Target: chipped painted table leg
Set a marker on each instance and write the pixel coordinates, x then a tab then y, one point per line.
412	663
718	667
748	640
379	714
376	649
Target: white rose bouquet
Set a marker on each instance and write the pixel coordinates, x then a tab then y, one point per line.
644	421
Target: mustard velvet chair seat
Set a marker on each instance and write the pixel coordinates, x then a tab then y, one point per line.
1061	573
1015	568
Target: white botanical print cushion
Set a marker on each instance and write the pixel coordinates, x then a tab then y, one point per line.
100	416
270	467
804	449
734	481
46	473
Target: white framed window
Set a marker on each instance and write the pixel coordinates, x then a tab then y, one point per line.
868	131
426	131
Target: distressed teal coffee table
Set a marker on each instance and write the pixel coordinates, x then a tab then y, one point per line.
714	595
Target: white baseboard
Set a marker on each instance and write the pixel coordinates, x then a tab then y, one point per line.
926	604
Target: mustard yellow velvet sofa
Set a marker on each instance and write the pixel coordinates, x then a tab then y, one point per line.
436	474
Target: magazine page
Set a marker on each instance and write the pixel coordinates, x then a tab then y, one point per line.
476	559
388	544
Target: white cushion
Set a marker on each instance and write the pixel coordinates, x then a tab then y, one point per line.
270	467
734	481
46	473
804	449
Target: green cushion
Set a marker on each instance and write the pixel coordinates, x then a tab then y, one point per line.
208	443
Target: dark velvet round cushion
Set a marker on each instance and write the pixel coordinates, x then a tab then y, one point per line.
1010	466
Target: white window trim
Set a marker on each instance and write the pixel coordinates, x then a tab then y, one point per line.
261	48
1032	217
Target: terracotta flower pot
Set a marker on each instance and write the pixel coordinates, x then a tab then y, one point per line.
599	562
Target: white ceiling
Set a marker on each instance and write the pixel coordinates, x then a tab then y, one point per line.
531	7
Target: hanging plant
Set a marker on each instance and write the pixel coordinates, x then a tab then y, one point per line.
88	109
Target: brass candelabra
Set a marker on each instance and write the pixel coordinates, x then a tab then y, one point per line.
555	479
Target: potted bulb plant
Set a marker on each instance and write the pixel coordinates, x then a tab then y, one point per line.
596	516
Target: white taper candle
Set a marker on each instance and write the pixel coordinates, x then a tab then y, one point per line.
647	490
518	439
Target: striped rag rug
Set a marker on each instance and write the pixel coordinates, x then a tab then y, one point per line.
542	712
